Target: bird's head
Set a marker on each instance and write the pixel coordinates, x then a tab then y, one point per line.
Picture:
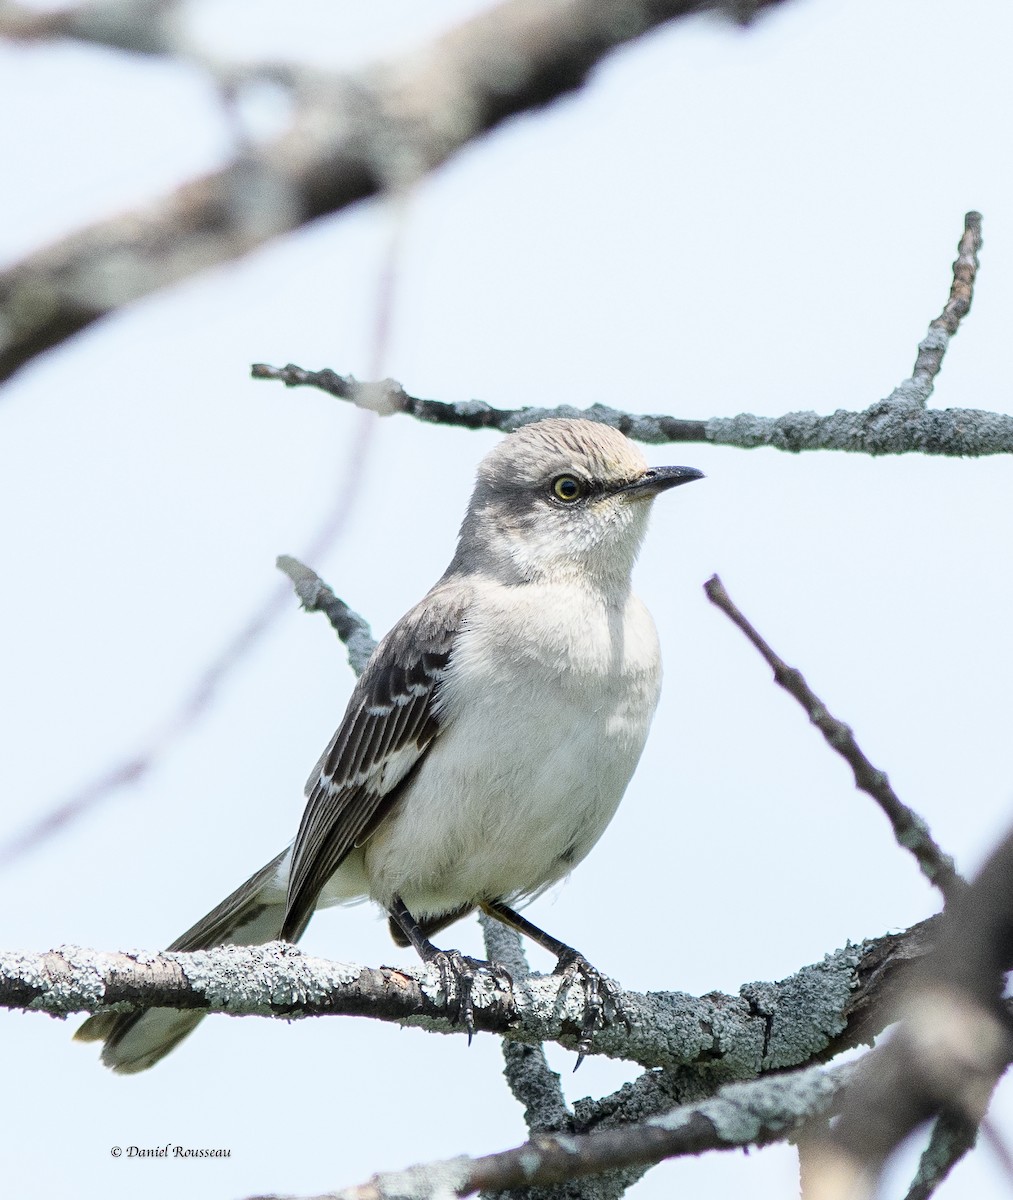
562	498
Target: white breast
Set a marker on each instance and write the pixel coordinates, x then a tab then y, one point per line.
544	712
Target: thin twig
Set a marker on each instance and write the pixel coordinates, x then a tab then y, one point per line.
931	350
909	829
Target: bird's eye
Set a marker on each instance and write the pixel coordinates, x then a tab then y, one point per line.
567	489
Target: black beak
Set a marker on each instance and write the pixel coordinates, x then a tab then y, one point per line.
660	479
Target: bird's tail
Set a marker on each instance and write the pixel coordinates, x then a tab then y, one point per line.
252	915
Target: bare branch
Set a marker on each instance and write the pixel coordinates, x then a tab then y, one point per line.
898	424
930	352
810	1016
909	829
351	136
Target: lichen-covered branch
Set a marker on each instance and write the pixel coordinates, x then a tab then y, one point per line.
739	1115
353	135
909	829
317	596
898	424
810	1016
387	396
885	428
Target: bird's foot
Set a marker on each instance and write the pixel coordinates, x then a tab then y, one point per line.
457	977
599	991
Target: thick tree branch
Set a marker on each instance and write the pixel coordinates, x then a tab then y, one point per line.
743	1114
810	1016
898	424
351	136
909	829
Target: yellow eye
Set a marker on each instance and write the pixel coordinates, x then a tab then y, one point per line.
566	488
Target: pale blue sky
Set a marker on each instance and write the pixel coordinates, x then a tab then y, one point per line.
723	221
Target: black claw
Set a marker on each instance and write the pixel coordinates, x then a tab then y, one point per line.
457	978
598	989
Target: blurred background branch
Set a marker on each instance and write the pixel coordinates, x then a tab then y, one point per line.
349	136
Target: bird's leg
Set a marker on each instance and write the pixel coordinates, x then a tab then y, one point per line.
572	966
457	970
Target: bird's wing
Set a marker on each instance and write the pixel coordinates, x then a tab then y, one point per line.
390	723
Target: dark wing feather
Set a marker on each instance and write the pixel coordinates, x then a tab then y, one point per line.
390	722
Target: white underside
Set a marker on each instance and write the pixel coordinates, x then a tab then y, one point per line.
524	779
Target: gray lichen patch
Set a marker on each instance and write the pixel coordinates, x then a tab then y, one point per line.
261	979
804	1012
72	974
436	1181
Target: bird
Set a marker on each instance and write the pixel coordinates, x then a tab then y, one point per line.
488	741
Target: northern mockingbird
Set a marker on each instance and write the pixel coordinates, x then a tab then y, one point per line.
490	738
